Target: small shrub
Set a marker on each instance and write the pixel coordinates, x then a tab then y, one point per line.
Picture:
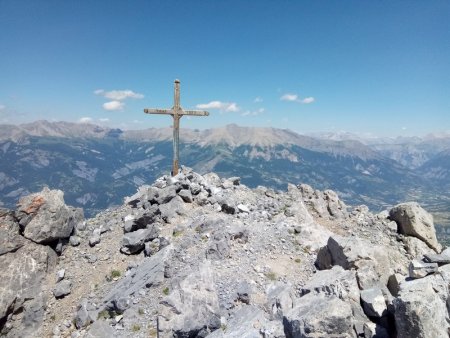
166	291
135	327
141	311
177	233
103	315
115	274
53	318
271	275
298	260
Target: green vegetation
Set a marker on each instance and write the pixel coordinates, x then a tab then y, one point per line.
298	260
141	311
177	233
115	274
271	275
166	291
103	315
135	328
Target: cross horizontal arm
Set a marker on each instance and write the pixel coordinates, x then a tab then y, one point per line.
158	111
195	112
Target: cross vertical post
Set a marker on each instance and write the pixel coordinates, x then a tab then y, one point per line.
177	113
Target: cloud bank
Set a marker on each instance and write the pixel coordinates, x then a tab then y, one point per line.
117	97
222	106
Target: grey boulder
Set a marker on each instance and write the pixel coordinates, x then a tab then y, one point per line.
415	221
62	288
45	217
373	302
133	242
319	316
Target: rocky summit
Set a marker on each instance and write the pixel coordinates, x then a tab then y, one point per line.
203	256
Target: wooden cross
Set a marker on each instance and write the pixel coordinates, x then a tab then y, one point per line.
177	113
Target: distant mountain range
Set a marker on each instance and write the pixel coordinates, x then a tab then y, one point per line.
97	166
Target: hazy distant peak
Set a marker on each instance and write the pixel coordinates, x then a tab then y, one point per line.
54	129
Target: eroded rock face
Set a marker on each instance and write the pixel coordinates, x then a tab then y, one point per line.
193	305
10	238
23	272
45	217
413	220
419	312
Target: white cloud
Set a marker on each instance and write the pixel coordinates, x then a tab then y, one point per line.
222	106
2	106
289	97
307	100
119	95
85	120
258	99
113	105
296	98
104	120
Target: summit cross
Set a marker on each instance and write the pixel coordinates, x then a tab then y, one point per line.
177	113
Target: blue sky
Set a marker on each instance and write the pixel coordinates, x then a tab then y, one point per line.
379	67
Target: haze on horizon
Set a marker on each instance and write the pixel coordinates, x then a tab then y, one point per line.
369	68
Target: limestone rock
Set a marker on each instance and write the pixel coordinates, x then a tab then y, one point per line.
440	259
62	288
83	316
334	282
133	242
373	302
45	217
186	195
371	261
416	247
95	237
219	246
100	329
149	273
413	220
394	283
10	239
249	322
280	299
23	274
419	312
166	194
193	304
419	269
319	316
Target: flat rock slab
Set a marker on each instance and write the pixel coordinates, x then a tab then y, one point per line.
419	269
149	273
440	259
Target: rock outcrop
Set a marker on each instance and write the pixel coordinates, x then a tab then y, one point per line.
202	256
26	262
